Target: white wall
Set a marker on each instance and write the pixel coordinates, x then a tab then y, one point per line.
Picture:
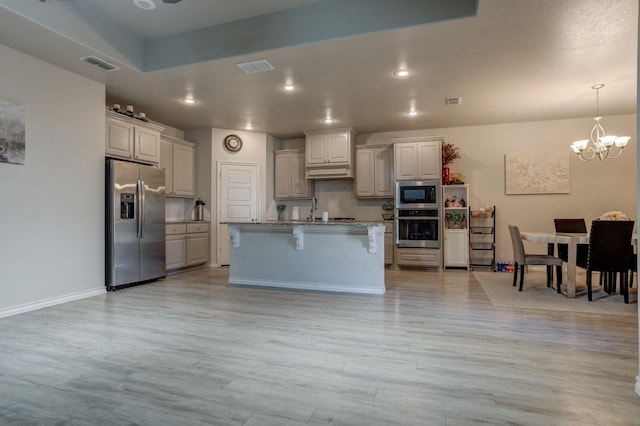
52	207
596	186
210	151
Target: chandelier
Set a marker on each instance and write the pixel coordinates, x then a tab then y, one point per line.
599	144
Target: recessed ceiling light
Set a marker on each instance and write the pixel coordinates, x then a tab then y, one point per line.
248	127
411	113
401	73
328	120
145	4
189	100
289	87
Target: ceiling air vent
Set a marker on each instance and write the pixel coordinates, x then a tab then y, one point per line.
255	66
452	101
97	62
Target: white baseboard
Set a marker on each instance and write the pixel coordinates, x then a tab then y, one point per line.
306	286
15	310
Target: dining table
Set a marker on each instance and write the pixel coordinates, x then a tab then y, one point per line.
572	240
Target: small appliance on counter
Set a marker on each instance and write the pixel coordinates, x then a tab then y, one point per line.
325	216
198	212
295	213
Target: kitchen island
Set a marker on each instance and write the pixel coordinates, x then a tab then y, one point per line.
331	256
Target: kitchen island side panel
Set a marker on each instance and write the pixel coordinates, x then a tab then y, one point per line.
331	259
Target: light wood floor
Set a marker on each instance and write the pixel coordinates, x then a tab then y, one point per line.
433	351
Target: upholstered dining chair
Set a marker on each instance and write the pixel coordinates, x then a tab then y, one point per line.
572	226
609	253
522	259
633	265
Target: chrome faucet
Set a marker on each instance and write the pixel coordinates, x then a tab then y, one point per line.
314	207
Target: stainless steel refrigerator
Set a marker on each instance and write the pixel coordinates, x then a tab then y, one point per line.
135	227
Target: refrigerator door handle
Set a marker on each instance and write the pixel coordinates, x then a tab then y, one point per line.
140	188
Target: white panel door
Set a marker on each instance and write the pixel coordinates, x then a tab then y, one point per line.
237	201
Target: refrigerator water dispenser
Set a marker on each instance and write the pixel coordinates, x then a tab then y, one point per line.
127	206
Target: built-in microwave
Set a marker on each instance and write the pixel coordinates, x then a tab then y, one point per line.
423	194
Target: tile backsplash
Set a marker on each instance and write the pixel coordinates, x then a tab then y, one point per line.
337	197
179	209
176	209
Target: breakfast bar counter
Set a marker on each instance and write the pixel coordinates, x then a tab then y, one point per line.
331	256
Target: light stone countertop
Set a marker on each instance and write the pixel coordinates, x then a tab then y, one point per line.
309	223
173	222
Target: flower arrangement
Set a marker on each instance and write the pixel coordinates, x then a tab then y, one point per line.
450	152
614	215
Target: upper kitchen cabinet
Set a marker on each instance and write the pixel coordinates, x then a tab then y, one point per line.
132	139
290	182
374	172
418	158
177	158
329	154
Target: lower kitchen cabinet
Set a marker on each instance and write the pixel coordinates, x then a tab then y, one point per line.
418	257
197	247
176	251
175	245
456	248
187	244
389	243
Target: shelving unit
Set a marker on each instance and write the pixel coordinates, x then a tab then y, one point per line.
482	238
456	229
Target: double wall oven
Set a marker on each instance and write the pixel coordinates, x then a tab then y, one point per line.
418	213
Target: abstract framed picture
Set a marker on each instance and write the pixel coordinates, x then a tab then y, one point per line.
12	133
544	173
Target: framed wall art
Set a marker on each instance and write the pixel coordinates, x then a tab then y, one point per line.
12	133
543	173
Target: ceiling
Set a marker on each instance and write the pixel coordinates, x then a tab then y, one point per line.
509	60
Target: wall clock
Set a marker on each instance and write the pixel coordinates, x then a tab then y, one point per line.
233	143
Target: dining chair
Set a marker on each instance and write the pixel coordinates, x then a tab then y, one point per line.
609	254
633	265
522	259
572	226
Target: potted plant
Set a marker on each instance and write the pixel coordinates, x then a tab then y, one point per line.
454	220
450	152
